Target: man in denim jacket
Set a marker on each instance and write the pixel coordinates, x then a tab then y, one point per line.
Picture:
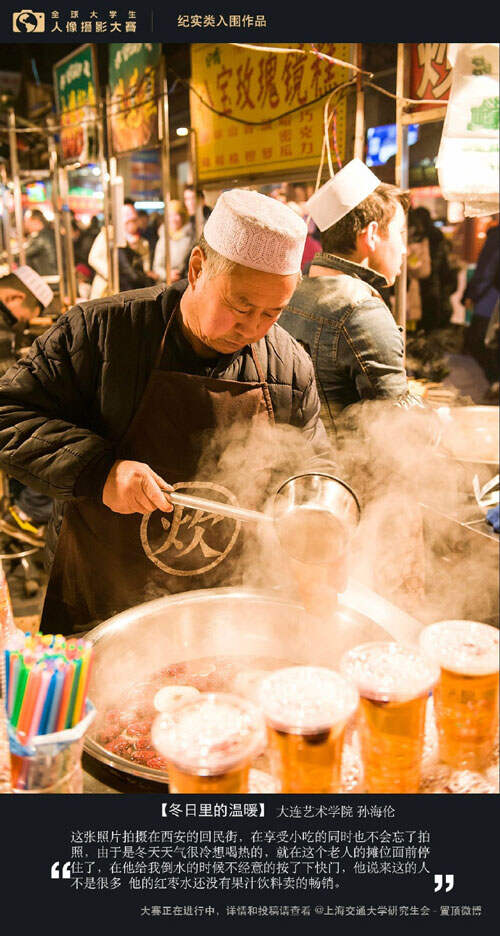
338	313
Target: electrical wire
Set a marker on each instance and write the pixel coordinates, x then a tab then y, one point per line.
312	51
329	58
327	120
58	128
252	123
334	137
407	100
158	97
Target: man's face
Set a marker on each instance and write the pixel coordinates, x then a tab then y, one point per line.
175	221
279	195
388	254
190	201
15	300
232	310
32	225
130	220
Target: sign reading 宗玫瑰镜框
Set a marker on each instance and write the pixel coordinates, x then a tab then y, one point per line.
253	86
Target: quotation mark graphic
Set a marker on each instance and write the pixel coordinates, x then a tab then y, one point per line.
66	870
438	881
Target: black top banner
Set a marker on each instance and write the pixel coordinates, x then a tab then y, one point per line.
241	21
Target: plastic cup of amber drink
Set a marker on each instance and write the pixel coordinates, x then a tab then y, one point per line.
394	682
209	743
466	696
306	709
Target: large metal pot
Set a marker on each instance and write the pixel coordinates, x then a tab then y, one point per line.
227	621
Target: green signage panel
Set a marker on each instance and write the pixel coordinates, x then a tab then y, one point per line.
76	89
134	69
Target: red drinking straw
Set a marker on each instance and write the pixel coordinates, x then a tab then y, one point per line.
66	695
28	704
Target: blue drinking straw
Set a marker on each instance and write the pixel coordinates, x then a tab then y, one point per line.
7	668
48	703
16	664
56	699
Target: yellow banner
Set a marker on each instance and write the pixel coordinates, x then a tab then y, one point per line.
254	85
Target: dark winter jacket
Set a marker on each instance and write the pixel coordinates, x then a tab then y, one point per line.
41	252
484	286
436	289
130	270
65	407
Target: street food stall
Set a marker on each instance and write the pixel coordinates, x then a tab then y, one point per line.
284	683
291	689
201	637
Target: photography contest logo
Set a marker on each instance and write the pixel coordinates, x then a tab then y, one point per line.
27	21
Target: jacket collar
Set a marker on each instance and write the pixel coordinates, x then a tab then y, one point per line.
369	276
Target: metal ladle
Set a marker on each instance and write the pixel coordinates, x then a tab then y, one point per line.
314	514
217	507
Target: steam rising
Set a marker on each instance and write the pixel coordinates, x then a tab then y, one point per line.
414	555
407	548
390	458
253	462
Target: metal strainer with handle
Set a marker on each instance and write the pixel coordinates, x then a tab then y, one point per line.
314	515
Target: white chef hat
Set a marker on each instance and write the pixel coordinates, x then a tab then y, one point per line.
348	188
36	285
257	231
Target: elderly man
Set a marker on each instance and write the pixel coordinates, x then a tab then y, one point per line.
119	400
338	312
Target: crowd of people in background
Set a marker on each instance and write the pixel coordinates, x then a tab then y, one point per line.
432	271
142	260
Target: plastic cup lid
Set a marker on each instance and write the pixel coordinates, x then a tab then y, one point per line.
389	672
216	733
466	647
307	699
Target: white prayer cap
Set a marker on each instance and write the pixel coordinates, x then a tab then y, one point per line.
36	285
257	231
348	188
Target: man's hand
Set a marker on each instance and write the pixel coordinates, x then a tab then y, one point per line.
133	487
